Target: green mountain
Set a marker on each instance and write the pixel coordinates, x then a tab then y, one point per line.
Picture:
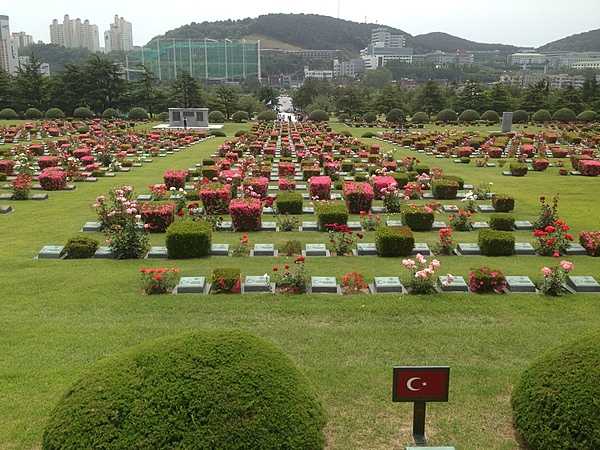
582	42
448	43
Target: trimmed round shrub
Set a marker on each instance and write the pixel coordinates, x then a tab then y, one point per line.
55	113
555	402
217	133
112	113
80	247
163	117
503	203
216	117
239	133
369	117
83	113
208	389
588	116
329	213
267	116
444	189
491	116
368	135
8	114
395	115
289	202
520	116
392	241
188	239
137	114
564	115
496	243
240	117
541	116
33	113
318	115
469	116
447	115
418	219
502	222
518	169
420	117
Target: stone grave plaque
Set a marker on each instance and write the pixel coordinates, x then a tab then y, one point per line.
176	197
457	284
507	173
309	226
583	284
354	225
189	187
273	188
305	196
576	250
298	178
461	194
191	285
378	209
324	284
267	210
575	172
301	187
260	283
468	187
523	225
422	248
336	196
264	250
157	253
91	179
486	208
524	248
427	195
39	197
366	249
5	209
103	253
268	226
219	249
50	252
450	208
308	210
316	250
387	284
92	227
480	225
469	249
393	223
226	225
70	187
520	284
438	225
144	198
109	174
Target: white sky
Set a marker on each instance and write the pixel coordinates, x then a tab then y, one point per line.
517	22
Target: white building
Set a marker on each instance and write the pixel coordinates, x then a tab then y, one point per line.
119	37
559	81
9	55
440	58
348	69
318	74
385	47
382	37
594	64
527	59
22	40
75	34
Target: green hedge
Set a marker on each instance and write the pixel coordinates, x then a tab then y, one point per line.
401	178
418	220
496	243
80	247
444	189
204	390
289	203
8	114
555	402
394	241
331	212
503	203
518	169
188	239
502	222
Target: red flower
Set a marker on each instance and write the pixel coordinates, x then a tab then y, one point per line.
299	259
275	268
556	254
286	267
549	229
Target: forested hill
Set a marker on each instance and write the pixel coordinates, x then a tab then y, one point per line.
582	42
311	31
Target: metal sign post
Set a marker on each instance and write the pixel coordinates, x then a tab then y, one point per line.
420	385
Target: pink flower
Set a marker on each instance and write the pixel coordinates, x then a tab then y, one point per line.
567	266
546	271
435	263
421	259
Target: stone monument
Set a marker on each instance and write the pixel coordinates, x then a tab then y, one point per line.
507	120
188	117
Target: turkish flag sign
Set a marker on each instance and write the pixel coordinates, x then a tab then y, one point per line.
421	384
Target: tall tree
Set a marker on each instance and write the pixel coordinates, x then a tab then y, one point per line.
104	82
499	99
535	97
6	96
590	91
351	100
429	98
390	97
145	91
472	96
30	85
569	97
186	92
229	98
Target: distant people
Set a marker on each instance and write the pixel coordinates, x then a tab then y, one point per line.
184	123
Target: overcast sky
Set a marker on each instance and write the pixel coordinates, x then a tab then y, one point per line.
517	22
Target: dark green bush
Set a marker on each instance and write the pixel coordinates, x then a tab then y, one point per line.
502	222
541	116
240	117
496	243
83	112
417	219
137	114
421	169
555	402
394	241
518	169
33	113
395	115
289	202
267	116
401	178
447	115
318	115
163	117
208	389
469	116
112	113
564	115
520	116
369	117
444	189
588	116
369	135
459	180
55	113
210	172
8	114
331	212
290	248
216	117
188	239
491	116
80	247
503	203
420	117
217	133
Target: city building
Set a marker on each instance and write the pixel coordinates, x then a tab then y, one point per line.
75	34
9	55
318	74
382	37
442	59
385	47
348	69
581	65
527	59
22	40
119	38
558	81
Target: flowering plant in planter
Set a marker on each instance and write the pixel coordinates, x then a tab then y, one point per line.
548	213
285	184
175	178
291	279
392	199
382	182
242	248
53	179
589	168
159	280
257	186
412	191
554	239
370	221
554	278
540	164
445	246
354	283
126	239
461	221
358	196
157	218
226	281
422	280
6	166
158	191
114	209
590	240
342	238
51	161
246	214
21	186
215	197
486	280
286	169
320	187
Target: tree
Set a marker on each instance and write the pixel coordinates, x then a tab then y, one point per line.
390	97
30	85
429	98
186	93
536	97
229	98
5	90
250	104
145	91
472	96
105	86
377	78
267	95
569	98
350	100
590	91
499	99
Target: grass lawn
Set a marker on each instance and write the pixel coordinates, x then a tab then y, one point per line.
59	317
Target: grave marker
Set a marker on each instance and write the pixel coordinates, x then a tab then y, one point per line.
366	249
468	249
5	209
576	250
523	225
520	284
103	253
219	249
422	248
315	250
309	226
456	284
260	283
583	284
524	248
50	252
92	227
263	250
324	285
387	285
157	253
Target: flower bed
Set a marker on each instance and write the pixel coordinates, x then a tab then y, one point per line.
358	196
49	161
215	197
286	184
286	169
590	240
157	218
246	214
257	186
53	179
383	182
6	166
485	280
320	187
589	168
159	280
175	178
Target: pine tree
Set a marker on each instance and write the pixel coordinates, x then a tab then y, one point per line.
472	96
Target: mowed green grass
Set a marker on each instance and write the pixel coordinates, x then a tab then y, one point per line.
58	317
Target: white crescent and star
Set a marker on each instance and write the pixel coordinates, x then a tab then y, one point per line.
410	384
